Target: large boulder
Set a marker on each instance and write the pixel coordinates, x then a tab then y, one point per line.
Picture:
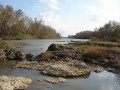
19	55
54	47
54	80
29	57
13	54
10	53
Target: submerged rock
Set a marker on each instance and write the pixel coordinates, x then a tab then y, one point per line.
97	70
54	80
12	83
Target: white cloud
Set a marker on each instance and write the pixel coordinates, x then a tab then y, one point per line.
105	10
50	18
62	26
110	4
94	13
95	16
51	3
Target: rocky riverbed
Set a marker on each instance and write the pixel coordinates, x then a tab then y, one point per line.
69	60
54	80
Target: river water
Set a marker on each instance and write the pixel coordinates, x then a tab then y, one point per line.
95	81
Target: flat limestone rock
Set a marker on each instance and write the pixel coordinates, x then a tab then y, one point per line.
59	68
11	82
64	70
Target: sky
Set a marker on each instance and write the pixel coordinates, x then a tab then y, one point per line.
69	16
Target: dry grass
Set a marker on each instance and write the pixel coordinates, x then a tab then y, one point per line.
118	61
1	52
96	52
3	44
115	49
108	43
46	55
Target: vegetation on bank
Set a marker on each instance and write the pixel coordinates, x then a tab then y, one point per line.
109	32
14	24
3	45
96	50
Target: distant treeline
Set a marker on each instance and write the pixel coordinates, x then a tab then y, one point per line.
109	32
14	24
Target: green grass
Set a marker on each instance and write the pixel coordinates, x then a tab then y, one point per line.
93	40
82	49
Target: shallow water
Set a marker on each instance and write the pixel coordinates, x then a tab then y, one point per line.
95	81
37	46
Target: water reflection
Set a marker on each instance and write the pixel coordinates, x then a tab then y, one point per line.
6	67
104	75
107	88
93	81
118	78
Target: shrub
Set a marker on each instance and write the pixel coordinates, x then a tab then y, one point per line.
46	55
118	61
93	40
83	49
78	42
96	52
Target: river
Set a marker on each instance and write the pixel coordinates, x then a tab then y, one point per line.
95	81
